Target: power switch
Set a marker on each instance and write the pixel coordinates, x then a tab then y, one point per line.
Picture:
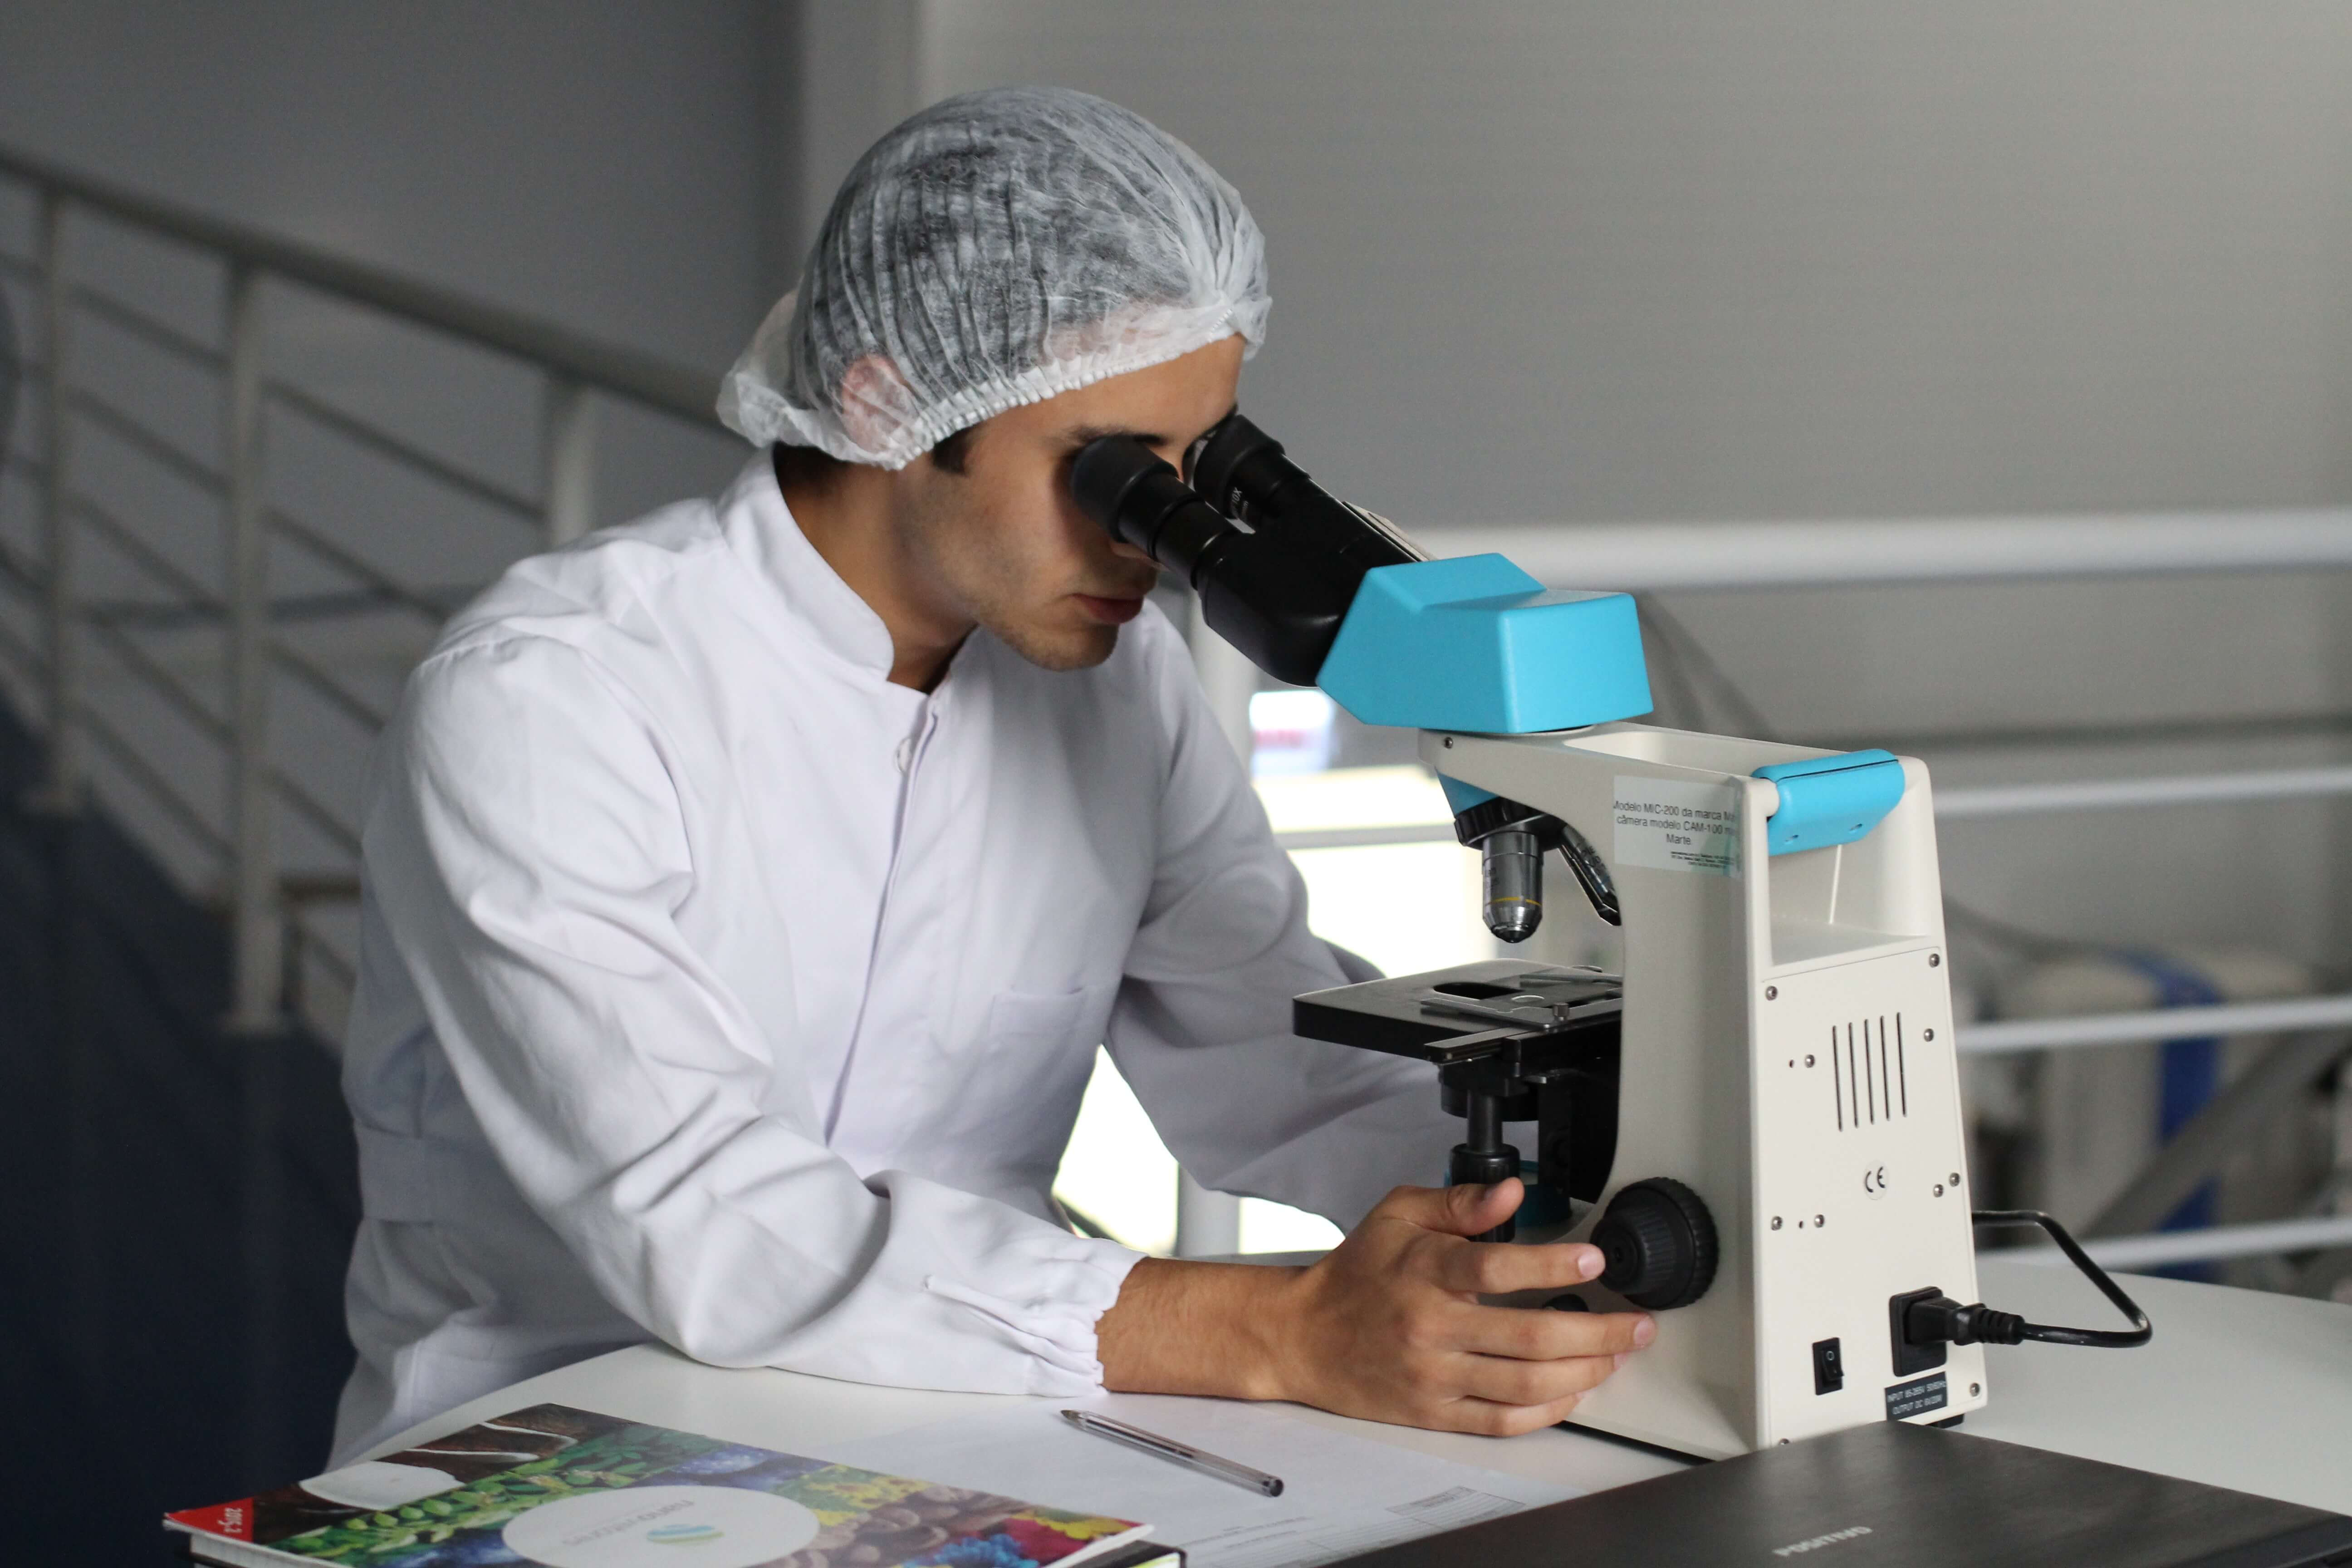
1829	1367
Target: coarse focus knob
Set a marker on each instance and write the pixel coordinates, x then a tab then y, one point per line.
1658	1245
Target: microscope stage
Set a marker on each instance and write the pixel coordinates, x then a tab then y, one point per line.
1462	1014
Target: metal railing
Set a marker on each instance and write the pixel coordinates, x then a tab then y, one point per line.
1748	556
2161	1248
266	902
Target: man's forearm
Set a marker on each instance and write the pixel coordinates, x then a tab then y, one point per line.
1198	1328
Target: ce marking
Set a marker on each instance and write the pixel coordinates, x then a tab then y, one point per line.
1874	1182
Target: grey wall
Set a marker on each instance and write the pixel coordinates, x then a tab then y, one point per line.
1712	259
603	162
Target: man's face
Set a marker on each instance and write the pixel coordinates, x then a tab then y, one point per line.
1003	544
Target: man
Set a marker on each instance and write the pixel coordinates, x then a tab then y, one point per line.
748	888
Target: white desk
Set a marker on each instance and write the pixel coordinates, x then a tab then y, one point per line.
2239	1389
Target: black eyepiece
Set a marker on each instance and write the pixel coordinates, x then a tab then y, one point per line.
1211	462
1243	472
1276	572
1140	500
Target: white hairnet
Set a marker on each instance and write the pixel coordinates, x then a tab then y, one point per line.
997	249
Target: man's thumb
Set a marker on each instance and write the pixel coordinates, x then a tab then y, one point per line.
1469	1210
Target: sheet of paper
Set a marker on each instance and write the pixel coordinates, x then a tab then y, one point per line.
1341	1494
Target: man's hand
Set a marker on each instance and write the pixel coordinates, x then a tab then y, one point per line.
1388	1327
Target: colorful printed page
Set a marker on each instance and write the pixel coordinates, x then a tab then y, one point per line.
570	1489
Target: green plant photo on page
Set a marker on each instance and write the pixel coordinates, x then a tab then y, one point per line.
571	1489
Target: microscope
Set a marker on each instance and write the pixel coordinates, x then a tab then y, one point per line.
1758	1121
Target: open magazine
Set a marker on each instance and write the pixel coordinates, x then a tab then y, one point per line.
571	1489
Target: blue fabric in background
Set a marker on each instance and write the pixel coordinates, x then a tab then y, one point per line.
2191	1075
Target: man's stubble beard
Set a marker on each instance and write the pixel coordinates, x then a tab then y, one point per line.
976	572
1063	655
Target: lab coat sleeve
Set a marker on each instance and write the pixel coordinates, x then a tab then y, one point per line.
528	851
1202	1029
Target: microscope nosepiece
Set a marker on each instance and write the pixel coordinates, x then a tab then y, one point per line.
1514	879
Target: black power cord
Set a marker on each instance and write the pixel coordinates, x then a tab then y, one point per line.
1938	1319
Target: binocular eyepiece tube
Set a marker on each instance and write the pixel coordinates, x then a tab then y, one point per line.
1275	559
1140	500
1245	473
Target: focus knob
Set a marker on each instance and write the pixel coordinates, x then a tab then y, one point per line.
1658	1244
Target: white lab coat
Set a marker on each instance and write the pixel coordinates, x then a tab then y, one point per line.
714	989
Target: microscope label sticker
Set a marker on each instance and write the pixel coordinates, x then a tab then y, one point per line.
1672	825
1905	1400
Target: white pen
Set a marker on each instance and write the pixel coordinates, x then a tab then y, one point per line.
1169	1448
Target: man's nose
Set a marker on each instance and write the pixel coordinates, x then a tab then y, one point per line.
1126	551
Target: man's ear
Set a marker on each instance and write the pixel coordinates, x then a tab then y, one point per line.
875	404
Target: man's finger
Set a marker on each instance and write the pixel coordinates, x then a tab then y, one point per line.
1492	1270
1489	1418
1469	1210
1509	1382
1534	1333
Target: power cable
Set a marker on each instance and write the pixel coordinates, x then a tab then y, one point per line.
1935	1317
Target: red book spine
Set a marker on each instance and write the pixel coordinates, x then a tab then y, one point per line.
233	1520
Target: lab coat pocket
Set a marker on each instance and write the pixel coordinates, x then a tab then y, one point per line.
1033	1059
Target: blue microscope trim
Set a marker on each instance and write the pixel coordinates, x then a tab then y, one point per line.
1460	797
1830	800
1474	643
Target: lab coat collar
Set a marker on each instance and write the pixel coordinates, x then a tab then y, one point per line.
757	523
